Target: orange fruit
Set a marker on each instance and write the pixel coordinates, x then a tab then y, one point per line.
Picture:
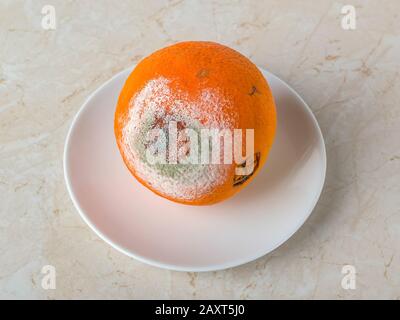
198	86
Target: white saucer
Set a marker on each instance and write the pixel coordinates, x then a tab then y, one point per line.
179	237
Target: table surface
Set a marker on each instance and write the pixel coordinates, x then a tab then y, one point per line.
350	78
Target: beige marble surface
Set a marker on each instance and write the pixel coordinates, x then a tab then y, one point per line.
350	79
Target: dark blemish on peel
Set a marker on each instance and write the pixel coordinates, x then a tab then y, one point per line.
203	73
240	179
254	90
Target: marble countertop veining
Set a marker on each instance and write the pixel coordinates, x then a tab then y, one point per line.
350	78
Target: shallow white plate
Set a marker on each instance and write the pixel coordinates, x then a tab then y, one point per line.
165	234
